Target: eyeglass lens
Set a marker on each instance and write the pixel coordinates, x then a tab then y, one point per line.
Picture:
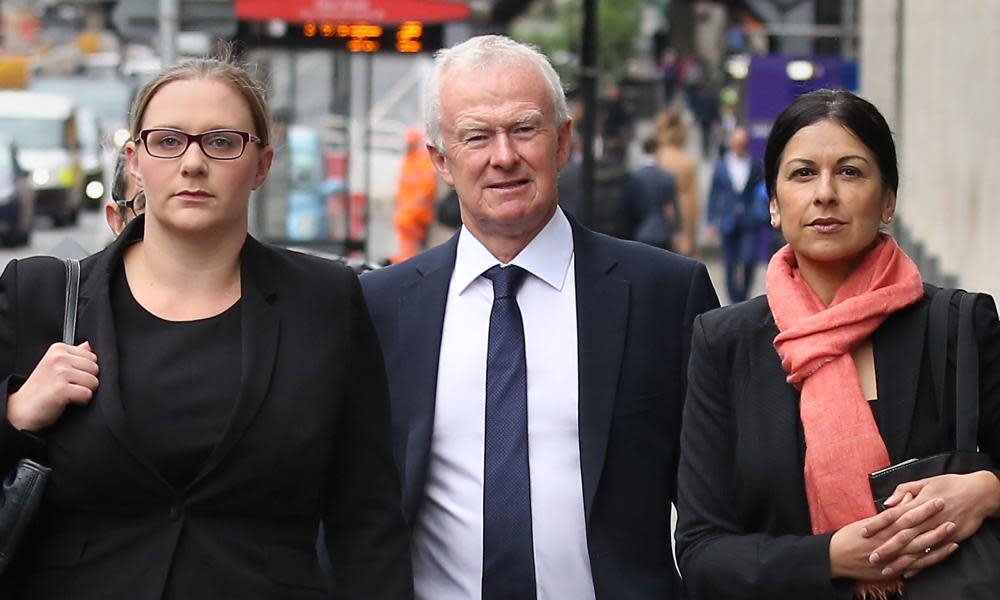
224	145
138	203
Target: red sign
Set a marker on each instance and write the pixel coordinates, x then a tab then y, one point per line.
352	11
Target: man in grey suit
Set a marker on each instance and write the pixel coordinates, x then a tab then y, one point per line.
536	369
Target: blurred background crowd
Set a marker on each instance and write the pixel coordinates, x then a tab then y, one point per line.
672	101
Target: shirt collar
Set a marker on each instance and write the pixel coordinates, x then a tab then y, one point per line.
547	256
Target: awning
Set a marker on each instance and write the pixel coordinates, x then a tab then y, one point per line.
381	12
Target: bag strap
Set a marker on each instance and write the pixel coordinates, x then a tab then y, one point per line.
937	337
967	377
72	297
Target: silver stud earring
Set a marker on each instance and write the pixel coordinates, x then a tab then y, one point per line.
888	219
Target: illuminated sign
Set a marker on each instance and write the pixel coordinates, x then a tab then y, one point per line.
408	37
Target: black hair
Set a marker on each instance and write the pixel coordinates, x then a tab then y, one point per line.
650	145
853	112
119	181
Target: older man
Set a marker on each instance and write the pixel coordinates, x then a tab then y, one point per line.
536	368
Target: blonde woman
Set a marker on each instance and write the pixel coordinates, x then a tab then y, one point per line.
223	398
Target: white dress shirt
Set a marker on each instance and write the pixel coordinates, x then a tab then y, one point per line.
738	168
448	533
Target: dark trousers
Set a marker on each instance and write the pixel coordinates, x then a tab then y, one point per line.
738	256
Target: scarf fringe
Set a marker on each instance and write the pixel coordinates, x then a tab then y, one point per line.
883	590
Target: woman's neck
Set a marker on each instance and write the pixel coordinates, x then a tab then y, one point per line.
825	279
184	277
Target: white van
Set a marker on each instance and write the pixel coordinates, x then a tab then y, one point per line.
43	128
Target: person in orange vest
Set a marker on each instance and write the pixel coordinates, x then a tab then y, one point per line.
414	197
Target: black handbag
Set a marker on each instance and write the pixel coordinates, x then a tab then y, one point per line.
22	490
973	572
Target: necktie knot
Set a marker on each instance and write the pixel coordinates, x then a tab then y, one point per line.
506	280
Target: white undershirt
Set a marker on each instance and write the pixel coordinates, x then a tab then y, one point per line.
448	534
739	171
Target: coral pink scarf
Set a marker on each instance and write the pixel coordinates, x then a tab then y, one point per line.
815	342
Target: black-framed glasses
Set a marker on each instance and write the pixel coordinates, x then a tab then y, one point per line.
220	144
136	204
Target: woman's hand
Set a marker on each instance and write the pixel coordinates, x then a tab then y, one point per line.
854	547
65	375
968	499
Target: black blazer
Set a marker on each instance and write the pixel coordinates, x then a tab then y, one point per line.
308	440
635	307
743	521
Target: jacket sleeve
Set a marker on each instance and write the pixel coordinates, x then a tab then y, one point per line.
719	554
366	535
14	444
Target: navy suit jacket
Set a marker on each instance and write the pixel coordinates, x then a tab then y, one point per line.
733	211
635	308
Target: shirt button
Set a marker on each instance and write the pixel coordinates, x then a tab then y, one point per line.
176	512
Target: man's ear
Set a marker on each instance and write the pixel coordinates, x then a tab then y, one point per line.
441	164
565	141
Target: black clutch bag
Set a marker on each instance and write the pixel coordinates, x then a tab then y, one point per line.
959	463
970	573
24	486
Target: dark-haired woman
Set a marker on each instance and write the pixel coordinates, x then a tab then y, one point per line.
795	396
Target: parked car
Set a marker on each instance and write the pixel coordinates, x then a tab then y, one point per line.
44	130
17	198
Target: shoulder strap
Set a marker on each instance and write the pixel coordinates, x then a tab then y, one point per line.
967	377
937	347
72	296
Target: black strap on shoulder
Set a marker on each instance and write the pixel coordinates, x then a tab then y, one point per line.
966	365
937	347
967	377
72	296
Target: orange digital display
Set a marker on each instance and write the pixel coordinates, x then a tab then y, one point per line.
365	37
406	37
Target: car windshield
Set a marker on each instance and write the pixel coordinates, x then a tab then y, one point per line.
34	134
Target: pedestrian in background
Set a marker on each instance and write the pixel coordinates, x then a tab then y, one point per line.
731	211
796	396
223	396
127	199
535	367
414	197
671	134
651	198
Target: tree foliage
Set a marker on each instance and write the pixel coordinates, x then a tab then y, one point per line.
555	26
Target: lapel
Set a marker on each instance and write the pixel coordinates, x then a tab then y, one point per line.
602	305
898	346
96	323
259	334
422	301
779	401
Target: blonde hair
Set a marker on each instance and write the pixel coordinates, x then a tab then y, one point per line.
224	68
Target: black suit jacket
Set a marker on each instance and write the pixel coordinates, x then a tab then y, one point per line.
743	521
635	307
308	439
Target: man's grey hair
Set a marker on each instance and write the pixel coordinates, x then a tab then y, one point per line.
479	53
